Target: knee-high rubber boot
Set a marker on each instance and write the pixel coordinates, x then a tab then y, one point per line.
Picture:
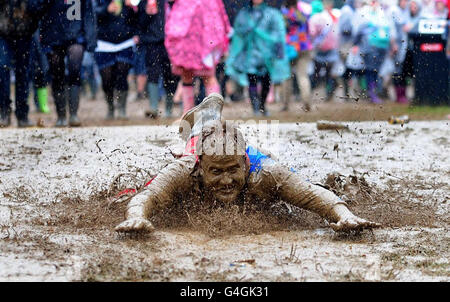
74	100
209	110
122	104
61	104
254	99
401	94
153	95
373	93
42	97
110	104
169	105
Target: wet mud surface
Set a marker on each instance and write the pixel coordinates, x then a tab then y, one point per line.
57	219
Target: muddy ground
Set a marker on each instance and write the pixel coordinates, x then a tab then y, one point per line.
57	222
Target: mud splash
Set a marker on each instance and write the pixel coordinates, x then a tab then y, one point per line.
394	206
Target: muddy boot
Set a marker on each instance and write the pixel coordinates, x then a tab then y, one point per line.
169	106
401	94
110	103
74	100
153	95
373	93
5	120
208	110
60	103
24	123
122	104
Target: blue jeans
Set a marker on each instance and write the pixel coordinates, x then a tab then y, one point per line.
15	54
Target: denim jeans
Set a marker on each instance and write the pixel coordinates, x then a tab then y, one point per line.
15	54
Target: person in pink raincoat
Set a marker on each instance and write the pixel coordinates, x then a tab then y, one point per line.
196	38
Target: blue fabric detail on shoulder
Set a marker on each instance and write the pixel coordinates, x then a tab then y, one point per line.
255	158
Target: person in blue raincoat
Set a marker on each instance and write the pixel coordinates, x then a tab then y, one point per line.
257	51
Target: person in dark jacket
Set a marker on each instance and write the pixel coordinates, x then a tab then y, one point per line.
151	23
68	28
114	53
19	19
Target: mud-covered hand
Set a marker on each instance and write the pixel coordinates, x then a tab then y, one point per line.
135	225
346	221
353	223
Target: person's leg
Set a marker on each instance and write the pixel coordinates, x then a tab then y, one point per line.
5	77
188	91
74	60
399	81
316	75
303	79
22	65
371	76
108	88
222	78
170	82
407	72
265	88
287	87
154	70
57	70
121	86
286	92
40	80
140	69
5	101
330	83
346	77
92	82
211	84
253	93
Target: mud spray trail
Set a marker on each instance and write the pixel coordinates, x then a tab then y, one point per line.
56	222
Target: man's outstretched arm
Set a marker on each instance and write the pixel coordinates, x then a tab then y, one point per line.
161	192
294	190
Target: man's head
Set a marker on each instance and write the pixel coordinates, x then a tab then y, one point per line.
222	162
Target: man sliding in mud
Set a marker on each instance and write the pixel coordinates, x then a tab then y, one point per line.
218	167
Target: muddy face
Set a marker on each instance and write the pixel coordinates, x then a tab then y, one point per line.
223	176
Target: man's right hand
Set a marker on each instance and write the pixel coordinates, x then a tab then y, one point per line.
135	225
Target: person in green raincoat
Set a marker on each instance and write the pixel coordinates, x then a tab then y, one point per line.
258	52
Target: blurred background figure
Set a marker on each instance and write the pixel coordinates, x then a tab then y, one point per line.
196	39
400	15
67	33
441	9
405	68
18	22
151	23
374	37
323	28
427	8
345	31
258	52
298	50
114	52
